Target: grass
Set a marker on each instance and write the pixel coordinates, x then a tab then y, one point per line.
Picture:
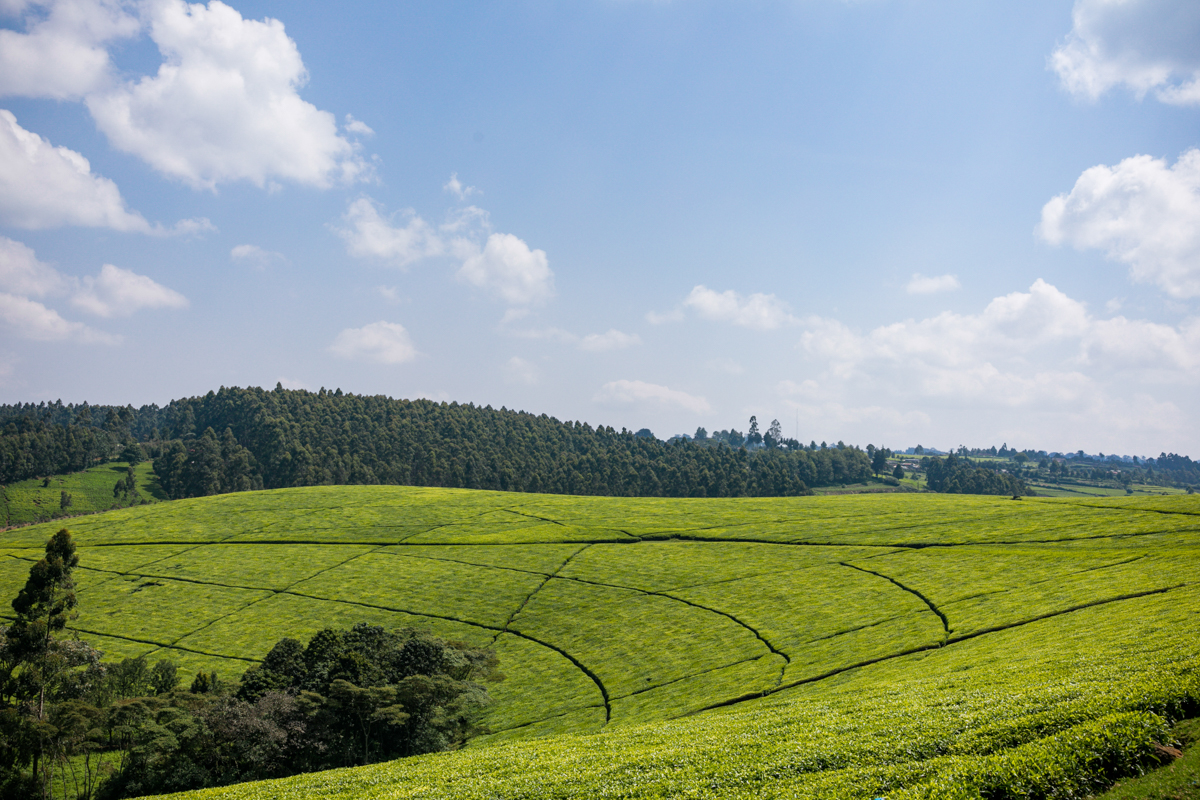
91	490
851	646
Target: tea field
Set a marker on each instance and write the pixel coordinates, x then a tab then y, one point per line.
907	645
90	491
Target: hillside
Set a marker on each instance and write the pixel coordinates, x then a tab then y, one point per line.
888	640
285	438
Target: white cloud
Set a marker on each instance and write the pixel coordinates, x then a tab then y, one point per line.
760	311
224	104
358	126
502	265
380	342
21	273
1142	44
32	320
626	391
612	339
62	53
117	292
1025	348
1140	212
518	370
43	186
114	292
256	256
507	268
920	284
368	235
456	187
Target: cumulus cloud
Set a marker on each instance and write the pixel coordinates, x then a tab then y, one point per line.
224	106
256	256
456	187
508	268
1141	212
920	284
30	319
760	311
114	292
21	273
368	234
1023	348
1145	45
62	54
379	342
43	186
612	339
117	292
358	126
499	263
626	391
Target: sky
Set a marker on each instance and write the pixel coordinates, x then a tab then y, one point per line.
894	222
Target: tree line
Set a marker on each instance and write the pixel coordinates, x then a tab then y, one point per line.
958	475
107	731
236	439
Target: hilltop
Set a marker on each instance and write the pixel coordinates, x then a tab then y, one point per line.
849	645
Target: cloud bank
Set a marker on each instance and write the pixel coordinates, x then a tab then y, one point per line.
1144	45
1141	212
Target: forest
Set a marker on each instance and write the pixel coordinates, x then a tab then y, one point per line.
236	439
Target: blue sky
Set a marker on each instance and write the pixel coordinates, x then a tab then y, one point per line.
876	221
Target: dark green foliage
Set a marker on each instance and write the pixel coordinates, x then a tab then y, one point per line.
132	454
1180	468
956	475
350	697
36	668
205	683
296	438
30	448
206	466
164	677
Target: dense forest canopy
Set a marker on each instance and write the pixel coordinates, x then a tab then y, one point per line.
237	439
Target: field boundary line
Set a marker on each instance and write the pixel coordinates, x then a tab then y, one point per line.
578	664
858	628
673	681
786	658
508	622
915	593
162	646
924	648
538	588
534	722
465	563
1071	610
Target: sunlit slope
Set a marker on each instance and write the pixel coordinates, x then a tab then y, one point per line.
609	612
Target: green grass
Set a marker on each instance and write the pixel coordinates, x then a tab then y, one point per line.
853	646
28	501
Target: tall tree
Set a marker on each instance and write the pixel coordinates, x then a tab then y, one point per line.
29	659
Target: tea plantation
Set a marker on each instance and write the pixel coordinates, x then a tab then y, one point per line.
853	646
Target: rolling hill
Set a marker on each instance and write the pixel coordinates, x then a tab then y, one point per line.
837	646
